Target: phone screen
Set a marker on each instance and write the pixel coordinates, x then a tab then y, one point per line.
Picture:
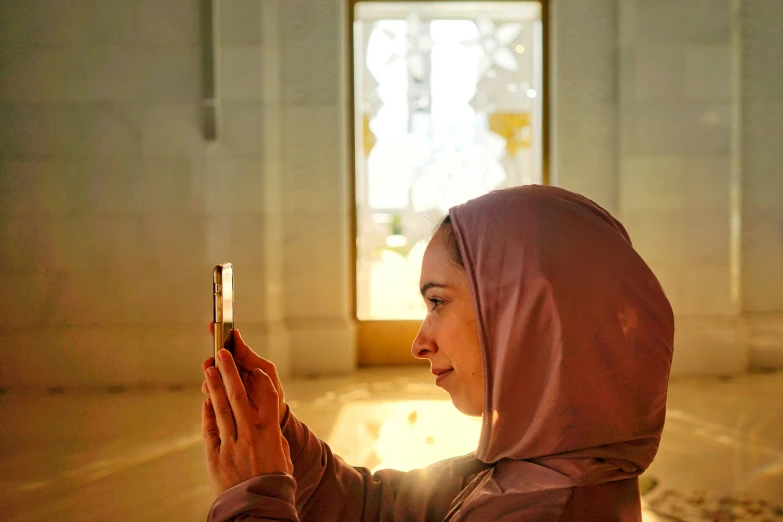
223	306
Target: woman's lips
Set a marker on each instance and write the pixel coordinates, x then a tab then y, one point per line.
441	376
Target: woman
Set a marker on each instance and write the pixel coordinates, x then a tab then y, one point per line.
543	320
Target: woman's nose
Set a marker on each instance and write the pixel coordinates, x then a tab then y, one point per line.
423	345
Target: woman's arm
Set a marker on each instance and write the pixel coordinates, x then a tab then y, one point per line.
328	489
324	487
268	497
247	458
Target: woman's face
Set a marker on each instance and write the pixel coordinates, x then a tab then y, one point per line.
448	337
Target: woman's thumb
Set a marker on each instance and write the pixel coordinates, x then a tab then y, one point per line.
265	398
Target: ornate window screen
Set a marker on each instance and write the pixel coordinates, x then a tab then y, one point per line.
448	107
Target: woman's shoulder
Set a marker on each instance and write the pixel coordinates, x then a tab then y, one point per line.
446	471
429	493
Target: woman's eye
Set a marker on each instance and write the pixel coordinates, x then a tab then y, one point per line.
435	302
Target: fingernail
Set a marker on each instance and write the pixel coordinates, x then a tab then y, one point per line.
212	372
224	355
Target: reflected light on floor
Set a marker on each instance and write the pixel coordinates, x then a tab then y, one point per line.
648	516
402	435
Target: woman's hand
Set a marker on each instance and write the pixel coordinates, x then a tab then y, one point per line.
241	442
247	360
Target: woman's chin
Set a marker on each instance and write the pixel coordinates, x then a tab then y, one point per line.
466	408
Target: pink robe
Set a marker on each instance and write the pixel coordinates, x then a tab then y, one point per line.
577	342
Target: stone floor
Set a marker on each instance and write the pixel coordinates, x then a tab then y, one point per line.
137	456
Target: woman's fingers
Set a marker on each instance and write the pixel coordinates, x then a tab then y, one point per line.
266	399
221	405
206	364
249	359
246	359
235	390
247	381
209	428
243	374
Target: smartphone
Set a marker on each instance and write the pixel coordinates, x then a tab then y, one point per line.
223	306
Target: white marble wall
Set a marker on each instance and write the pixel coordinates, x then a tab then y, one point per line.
317	200
685	149
112	205
762	180
584	98
114	209
104	208
645	123
678	104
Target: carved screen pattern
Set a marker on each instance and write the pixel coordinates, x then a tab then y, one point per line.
448	107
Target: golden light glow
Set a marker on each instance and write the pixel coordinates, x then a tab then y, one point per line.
402	435
368	136
514	127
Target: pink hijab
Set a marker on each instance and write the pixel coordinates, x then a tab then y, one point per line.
577	339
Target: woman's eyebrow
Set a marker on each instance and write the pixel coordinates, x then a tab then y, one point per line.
429	285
